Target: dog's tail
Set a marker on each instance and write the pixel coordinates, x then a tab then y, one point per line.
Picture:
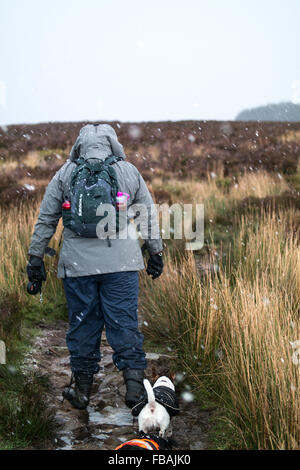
150	395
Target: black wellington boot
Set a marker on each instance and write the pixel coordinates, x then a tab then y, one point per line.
79	396
133	379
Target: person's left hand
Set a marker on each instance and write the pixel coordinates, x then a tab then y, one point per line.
36	269
155	265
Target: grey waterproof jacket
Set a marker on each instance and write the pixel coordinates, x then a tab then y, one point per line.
86	256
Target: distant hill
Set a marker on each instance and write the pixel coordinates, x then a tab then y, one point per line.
272	112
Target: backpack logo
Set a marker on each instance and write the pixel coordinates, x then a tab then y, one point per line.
80	205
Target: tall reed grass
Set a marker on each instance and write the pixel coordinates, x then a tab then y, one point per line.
238	328
24	414
16	230
218	194
235	332
16	305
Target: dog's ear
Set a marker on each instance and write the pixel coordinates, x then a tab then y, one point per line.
172	376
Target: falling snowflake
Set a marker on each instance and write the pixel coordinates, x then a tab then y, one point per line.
134	132
187	397
29	187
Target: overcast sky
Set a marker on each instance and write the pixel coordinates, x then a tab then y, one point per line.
145	60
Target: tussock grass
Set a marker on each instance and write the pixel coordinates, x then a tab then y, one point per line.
24	413
218	194
235	332
289	137
16	305
25	418
16	230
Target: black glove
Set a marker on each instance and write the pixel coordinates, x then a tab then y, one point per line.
36	269
155	265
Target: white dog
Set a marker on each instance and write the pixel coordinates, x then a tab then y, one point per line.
154	416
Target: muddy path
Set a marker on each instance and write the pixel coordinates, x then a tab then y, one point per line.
107	422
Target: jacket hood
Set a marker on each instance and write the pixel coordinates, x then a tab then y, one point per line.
96	141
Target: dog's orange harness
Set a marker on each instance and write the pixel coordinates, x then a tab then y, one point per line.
147	444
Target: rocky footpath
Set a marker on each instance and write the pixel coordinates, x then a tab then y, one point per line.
107	422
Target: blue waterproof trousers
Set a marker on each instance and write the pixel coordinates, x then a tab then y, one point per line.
100	300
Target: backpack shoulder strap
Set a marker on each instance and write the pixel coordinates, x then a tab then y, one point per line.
80	161
112	159
108	160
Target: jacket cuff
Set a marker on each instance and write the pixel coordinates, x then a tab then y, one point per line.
35	253
154	246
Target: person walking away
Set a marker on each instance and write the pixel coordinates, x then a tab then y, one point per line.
100	275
